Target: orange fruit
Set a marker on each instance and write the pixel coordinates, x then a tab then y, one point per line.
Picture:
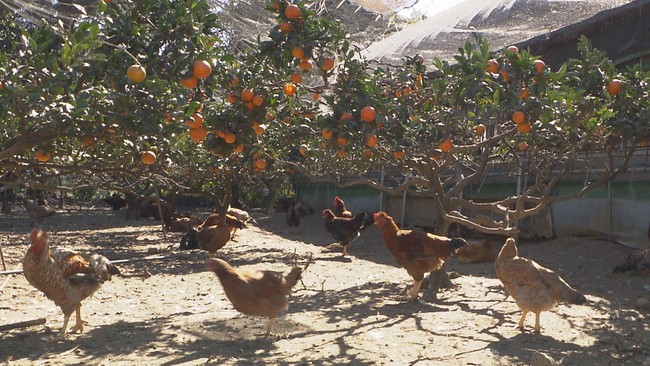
368	113
136	73
232	98
296	77
327	64
202	69
419	59
367	153
406	90
371	140
480	129
42	155
214	169
303	149
196	121
234	81
492	66
230	138
148	157
399	154
289	89
190	82
247	95
341	140
285	27
292	11
239	148
539	66
513	49
505	76
341	154
315	96
249	106
523	146
523	94
87	141
270	116
346	116
446	145
298	52
260	129
221	133
524	127
327	133
260	164
198	134
305	65
258	100
518	117
615	87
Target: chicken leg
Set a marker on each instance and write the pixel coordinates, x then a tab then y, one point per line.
79	326
269	328
64	330
413	294
522	319
538	328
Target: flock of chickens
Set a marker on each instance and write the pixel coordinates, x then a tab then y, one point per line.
67	277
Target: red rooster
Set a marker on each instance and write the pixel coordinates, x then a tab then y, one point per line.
345	229
64	276
339	208
416	251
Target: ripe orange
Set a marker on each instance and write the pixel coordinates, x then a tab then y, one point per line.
315	96
234	81
524	127
202	69
88	141
523	94
247	95
136	73
523	146
239	148
270	116
615	87
346	116
341	154
492	66
327	133
368	113
480	129
505	76
258	100
198	134
305	65
518	117
367	153
260	129
190	82
371	140
285	27
292	11
513	49
42	155
298	52
341	140
148	157
249	106
327	64
296	77
303	149
260	164
446	145
399	154
232	98
221	133
539	66
230	138
196	121
289	89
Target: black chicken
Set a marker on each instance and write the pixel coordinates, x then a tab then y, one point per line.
345	229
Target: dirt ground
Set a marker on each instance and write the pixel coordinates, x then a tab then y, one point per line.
347	312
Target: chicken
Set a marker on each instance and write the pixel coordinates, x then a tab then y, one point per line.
115	201
638	262
255	292
303	208
339	208
345	229
37	212
64	276
241	215
533	287
417	251
212	234
183	224
292	216
477	252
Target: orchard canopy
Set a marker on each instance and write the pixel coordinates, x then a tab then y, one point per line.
155	91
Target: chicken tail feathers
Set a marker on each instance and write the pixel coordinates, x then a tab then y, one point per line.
457	243
568	294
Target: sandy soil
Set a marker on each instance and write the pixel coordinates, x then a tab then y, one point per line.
347	312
